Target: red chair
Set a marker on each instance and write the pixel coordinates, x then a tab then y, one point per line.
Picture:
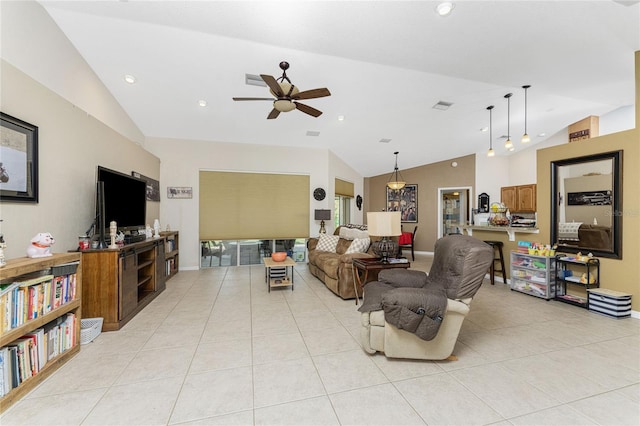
406	241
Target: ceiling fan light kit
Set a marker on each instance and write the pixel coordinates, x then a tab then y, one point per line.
286	95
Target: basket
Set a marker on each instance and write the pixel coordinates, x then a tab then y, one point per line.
90	328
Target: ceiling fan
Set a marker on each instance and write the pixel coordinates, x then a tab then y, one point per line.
287	95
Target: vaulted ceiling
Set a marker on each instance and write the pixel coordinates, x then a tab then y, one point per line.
386	63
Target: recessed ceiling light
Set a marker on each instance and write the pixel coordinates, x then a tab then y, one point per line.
385	140
542	135
202	103
129	79
484	129
445	8
341	118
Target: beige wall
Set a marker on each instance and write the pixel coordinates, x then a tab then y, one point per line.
72	144
621	275
429	178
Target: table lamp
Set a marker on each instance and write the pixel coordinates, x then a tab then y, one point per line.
322	215
385	225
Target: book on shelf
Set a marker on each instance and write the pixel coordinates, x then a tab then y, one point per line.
25	357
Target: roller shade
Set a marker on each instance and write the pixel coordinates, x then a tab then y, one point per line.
344	188
240	206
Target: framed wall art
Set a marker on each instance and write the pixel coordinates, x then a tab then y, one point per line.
183	192
18	160
405	201
153	186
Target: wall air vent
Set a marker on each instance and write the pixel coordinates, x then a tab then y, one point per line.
313	133
385	140
442	105
254	80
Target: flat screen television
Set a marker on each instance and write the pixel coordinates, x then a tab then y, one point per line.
124	200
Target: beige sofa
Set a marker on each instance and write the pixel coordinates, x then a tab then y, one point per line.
334	268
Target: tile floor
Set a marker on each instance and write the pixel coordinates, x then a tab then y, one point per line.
217	348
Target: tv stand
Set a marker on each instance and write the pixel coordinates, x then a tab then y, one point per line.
121	282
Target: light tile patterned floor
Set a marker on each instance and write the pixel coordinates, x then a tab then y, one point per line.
216	348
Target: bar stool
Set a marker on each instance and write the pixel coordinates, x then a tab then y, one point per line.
497	246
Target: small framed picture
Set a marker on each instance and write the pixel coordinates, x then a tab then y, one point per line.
405	201
182	192
18	160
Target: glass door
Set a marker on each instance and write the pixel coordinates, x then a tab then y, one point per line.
453	210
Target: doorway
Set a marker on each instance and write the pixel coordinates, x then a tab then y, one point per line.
454	209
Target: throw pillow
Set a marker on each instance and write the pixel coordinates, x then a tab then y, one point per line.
359	245
327	243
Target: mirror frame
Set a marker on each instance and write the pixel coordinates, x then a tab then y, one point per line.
616	205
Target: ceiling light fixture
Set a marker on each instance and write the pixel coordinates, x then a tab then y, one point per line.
525	137
508	144
395	180
341	118
129	79
202	103
445	8
491	152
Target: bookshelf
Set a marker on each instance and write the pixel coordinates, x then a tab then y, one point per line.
171	252
119	283
46	319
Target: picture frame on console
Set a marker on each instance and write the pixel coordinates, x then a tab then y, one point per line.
18	160
405	201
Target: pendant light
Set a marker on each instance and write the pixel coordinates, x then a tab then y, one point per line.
508	144
395	180
525	137
491	152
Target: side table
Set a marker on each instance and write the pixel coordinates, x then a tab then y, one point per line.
366	264
283	281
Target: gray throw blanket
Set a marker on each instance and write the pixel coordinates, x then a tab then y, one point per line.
417	310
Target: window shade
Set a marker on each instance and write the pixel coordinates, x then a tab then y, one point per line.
344	188
240	206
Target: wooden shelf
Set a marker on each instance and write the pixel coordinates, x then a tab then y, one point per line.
172	252
16	268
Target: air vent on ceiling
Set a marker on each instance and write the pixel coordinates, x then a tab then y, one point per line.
385	140
254	80
442	105
313	133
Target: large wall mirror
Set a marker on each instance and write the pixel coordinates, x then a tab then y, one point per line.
586	204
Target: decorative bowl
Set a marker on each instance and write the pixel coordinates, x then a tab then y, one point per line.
279	256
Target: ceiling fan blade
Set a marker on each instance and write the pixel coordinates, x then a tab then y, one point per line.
313	93
253	99
273	114
307	109
273	85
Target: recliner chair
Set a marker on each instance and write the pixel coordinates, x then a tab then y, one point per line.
459	265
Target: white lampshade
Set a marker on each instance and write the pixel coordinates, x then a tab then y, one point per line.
383	224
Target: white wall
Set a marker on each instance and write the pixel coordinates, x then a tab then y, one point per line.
181	167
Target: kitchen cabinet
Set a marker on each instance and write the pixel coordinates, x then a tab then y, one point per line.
520	198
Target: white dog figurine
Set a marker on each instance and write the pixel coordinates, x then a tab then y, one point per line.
41	245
